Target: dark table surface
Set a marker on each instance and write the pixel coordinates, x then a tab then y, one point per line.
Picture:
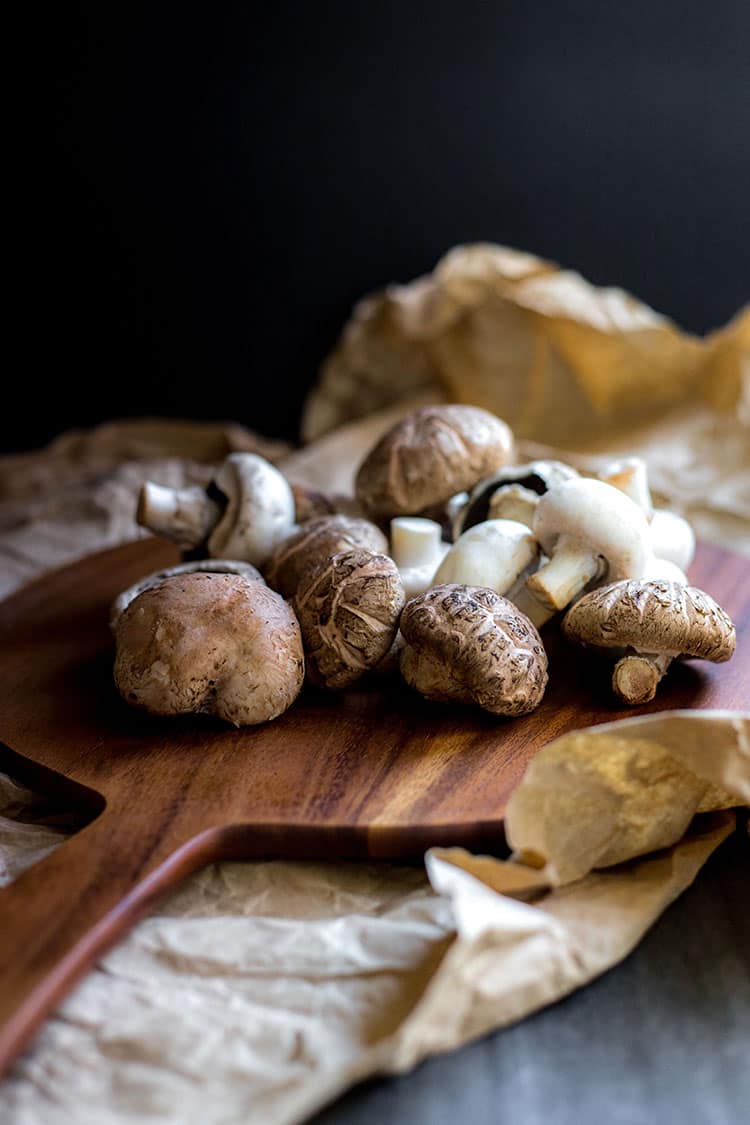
664	1037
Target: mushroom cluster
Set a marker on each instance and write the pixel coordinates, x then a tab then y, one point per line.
456	560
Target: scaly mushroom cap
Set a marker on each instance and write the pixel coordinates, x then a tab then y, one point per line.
203	566
217	644
467	644
348	611
301	553
429	456
652	617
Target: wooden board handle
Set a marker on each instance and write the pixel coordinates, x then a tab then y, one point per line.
60	915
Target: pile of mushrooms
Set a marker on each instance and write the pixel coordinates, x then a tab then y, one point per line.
457	558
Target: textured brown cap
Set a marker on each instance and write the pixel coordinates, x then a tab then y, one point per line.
348	611
314	542
467	644
429	456
652	616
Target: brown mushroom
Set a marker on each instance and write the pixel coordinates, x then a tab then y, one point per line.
204	566
429	456
467	644
313	543
310	504
217	644
648	624
348	610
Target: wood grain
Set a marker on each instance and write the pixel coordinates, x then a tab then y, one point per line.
374	772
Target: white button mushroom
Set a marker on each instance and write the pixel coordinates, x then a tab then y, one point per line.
511	494
672	538
630	475
590	530
247	510
493	554
417	550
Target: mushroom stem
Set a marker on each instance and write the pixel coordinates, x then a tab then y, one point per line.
523	599
514	502
570	569
636	677
417	550
185	516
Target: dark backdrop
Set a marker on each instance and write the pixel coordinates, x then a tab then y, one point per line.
206	190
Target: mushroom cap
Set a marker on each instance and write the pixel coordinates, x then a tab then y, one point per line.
218	644
672	538
429	456
203	566
601	518
536	476
494	554
654	616
467	644
348	611
302	552
259	511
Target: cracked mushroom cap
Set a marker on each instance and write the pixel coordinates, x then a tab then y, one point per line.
467	644
348	610
429	456
216	644
304	551
655	616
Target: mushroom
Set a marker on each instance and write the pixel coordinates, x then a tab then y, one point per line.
348	610
495	554
417	550
590	529
202	566
217	644
512	493
630	475
648	624
309	504
467	644
303	551
247	509
428	456
672	537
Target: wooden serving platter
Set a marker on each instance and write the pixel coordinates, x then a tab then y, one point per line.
373	773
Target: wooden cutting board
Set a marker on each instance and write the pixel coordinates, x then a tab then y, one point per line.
375	772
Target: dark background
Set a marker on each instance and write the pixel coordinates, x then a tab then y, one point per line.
205	191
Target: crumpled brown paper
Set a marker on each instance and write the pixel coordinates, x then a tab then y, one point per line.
566	364
259	991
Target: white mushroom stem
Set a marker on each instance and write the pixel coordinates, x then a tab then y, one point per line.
523	599
514	502
185	516
636	677
672	538
417	550
567	573
630	475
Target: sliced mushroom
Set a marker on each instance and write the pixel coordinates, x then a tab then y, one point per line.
417	550
429	456
303	552
467	644
348	610
198	566
511	494
216	644
648	624
590	530
247	509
